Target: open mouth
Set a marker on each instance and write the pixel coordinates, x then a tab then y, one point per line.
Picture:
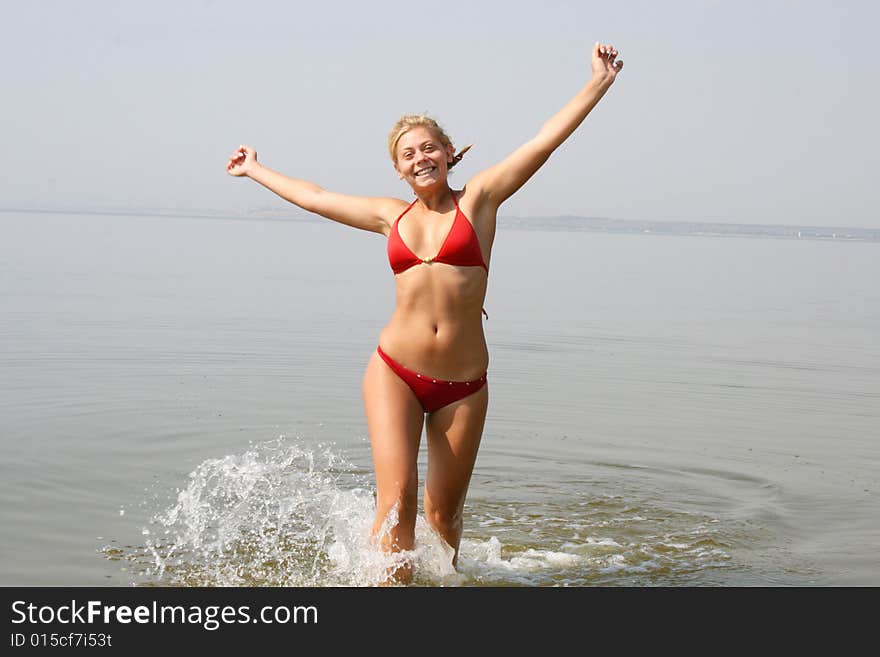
425	171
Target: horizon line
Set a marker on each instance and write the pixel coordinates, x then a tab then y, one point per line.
559	222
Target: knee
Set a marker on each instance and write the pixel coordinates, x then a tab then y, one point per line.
444	518
395	521
404	501
400	499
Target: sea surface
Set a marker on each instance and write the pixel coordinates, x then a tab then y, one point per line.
180	404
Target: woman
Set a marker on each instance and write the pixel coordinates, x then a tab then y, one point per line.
429	369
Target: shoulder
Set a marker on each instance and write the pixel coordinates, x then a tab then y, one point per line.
397	206
475	203
390	210
396	209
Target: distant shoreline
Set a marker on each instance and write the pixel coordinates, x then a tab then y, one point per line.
560	223
695	228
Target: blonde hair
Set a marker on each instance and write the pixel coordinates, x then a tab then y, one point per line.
409	121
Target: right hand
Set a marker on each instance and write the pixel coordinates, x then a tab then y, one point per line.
242	161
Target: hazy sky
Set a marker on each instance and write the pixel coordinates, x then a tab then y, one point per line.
749	111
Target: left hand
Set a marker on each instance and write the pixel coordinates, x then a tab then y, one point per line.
603	62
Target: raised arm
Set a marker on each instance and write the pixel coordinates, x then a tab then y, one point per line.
499	182
361	212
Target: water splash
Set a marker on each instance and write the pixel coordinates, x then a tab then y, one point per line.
281	514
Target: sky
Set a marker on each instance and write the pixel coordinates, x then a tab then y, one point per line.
741	112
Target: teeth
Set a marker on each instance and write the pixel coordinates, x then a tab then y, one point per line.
423	171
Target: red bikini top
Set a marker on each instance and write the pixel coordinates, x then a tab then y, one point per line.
460	248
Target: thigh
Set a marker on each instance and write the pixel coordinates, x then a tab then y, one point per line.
454	434
394	421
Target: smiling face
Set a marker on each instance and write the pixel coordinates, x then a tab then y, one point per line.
422	159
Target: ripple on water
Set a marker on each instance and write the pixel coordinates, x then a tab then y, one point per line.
604	541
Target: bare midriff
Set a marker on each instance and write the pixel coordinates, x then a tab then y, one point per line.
437	324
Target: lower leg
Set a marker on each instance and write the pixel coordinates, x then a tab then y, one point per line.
448	525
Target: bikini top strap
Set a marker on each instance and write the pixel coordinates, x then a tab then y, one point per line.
408	208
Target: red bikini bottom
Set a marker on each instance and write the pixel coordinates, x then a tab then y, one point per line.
433	394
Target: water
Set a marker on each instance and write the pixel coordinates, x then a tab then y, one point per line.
180	404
